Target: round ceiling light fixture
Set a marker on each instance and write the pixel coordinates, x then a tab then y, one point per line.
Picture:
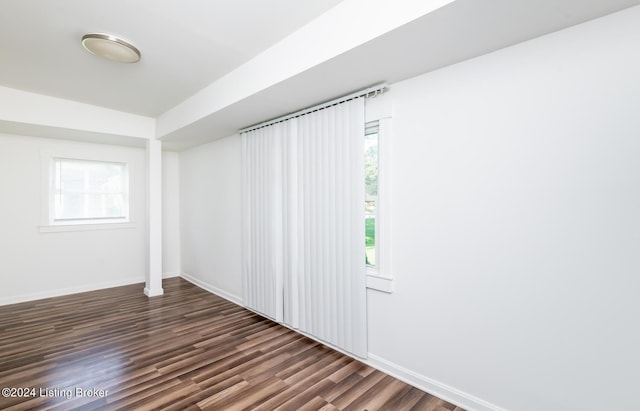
110	47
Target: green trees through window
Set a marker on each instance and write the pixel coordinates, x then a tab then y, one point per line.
371	191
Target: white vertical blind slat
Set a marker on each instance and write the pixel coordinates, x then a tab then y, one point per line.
262	234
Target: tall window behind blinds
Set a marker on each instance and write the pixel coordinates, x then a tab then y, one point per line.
371	192
87	190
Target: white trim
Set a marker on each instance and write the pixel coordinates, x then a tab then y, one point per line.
85	227
383	205
379	283
369	130
379	277
214	290
86	154
67	291
433	387
153	292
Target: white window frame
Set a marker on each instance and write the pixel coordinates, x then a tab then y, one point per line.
50	224
379	276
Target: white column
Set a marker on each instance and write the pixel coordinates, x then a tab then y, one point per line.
153	286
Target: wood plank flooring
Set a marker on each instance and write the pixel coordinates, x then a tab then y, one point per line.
186	350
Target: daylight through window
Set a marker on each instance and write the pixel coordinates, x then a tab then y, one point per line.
371	192
85	190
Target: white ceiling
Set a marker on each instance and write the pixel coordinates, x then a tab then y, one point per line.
187	45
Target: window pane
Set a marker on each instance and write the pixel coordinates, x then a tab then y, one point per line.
69	206
70	178
371	164
89	190
370	232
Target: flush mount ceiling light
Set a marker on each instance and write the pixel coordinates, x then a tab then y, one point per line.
110	47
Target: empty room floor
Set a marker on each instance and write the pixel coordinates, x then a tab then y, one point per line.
185	350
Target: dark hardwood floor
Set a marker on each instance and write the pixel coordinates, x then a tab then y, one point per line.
186	350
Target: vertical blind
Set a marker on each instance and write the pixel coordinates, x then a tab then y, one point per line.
304	225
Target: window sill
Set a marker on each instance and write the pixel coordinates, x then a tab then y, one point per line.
85	227
379	283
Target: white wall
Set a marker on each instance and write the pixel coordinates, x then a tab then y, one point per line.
170	214
210	216
516	224
36	264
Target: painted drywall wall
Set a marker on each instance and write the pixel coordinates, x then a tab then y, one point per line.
170	214
516	227
514	224
41	264
210	216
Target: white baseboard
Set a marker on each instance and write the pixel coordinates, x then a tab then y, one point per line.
153	292
215	290
440	390
66	291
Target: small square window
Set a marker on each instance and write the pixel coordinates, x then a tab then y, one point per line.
87	191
